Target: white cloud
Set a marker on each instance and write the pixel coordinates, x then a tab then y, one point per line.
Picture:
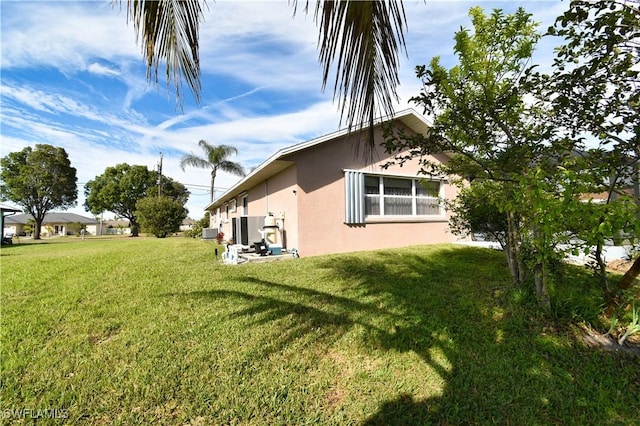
99	69
261	83
64	34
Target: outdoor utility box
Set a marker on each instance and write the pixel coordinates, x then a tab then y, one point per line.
275	249
246	228
209	233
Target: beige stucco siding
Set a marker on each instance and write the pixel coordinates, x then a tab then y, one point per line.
321	204
304	187
276	195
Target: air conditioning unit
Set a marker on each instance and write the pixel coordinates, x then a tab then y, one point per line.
209	233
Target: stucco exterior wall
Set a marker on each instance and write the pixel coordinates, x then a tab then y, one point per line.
276	195
308	199
321	204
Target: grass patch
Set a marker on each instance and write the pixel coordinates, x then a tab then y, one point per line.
155	331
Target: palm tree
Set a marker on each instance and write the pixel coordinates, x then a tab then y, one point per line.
360	39
215	159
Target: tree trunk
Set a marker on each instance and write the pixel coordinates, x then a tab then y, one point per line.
213	180
36	228
541	268
513	251
134	228
623	285
542	291
601	271
513	264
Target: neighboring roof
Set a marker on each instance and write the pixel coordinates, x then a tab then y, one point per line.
50	218
276	164
7	208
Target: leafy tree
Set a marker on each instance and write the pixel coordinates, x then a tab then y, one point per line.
215	159
119	188
481	116
358	40
160	216
595	91
532	150
476	209
174	190
39	180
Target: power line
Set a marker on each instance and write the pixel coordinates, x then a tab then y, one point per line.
188	185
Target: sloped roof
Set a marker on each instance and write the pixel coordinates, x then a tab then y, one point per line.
276	162
50	218
8	208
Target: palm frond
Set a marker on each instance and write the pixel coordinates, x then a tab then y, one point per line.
193	160
170	32
362	41
231	167
219	153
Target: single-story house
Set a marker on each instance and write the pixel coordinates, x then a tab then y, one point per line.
53	224
320	196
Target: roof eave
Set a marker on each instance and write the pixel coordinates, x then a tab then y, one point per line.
274	164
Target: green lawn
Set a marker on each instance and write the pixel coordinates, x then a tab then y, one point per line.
142	331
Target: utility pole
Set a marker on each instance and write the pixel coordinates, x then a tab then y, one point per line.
160	176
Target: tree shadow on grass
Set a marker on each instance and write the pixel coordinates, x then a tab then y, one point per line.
509	366
303	320
504	365
308	312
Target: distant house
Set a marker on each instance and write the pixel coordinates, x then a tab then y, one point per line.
114	227
187	224
321	197
629	185
53	224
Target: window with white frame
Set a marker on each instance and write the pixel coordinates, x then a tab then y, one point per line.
379	196
233	206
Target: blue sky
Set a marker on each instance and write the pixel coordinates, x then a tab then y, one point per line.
73	76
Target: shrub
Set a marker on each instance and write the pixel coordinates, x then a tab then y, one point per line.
160	216
195	231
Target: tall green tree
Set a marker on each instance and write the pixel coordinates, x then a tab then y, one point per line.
215	158
529	134
120	188
482	117
39	180
359	40
595	91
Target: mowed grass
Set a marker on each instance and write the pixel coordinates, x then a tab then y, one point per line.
155	331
